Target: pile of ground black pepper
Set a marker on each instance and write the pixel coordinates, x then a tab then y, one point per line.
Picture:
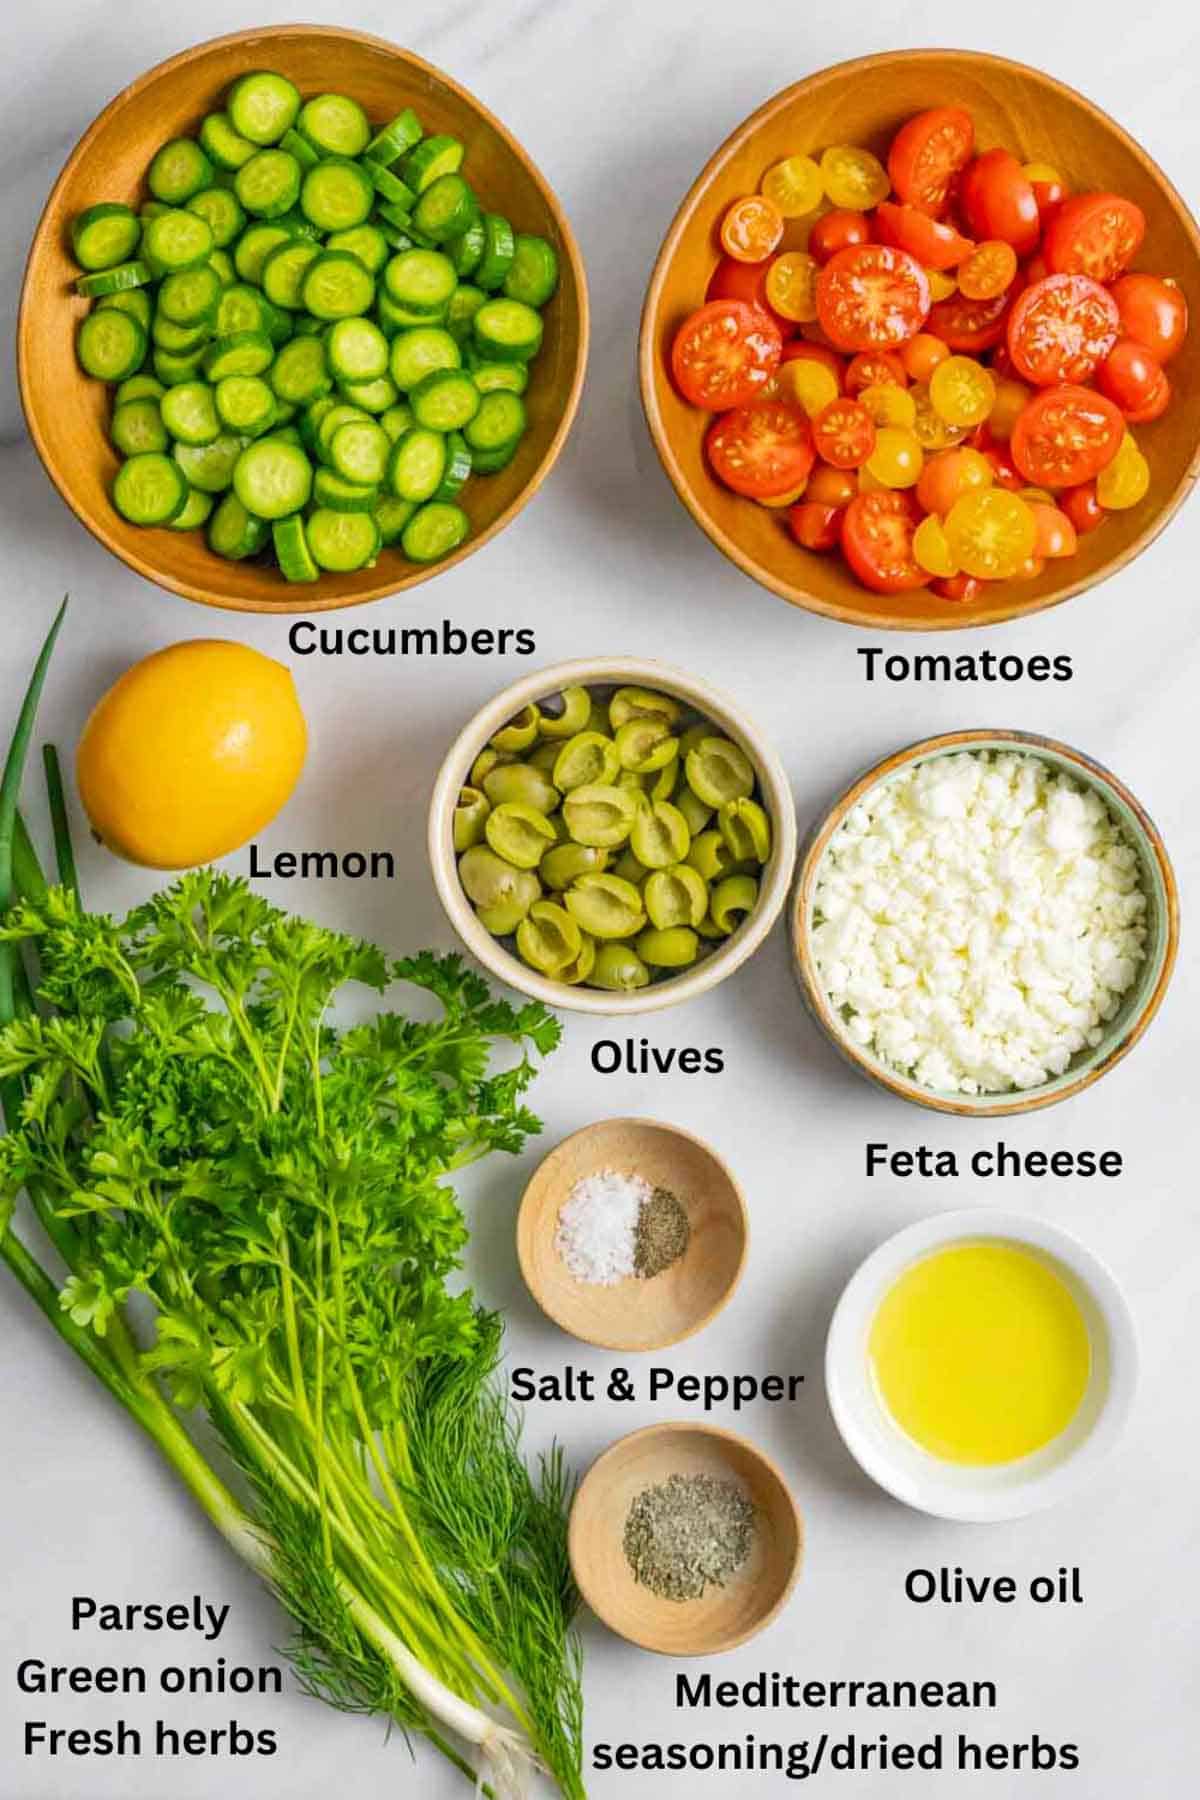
686	1534
662	1234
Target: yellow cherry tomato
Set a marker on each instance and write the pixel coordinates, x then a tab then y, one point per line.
810	384
932	431
1040	171
868	483
787	499
889	404
795	186
897	457
854	179
1125	481
931	549
941	284
1007	407
792	285
991	533
962	391
1042	496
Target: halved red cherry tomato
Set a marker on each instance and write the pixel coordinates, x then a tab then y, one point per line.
832	487
1129	375
751	228
725	354
1065	436
935	245
844	433
733	280
877	535
958	587
1055	531
1155	404
1094	234
816	525
989	270
763	450
1061	329
875	368
970	326
1049	189
998	201
927	152
1153	311
872	298
1082	507
802	348
838	230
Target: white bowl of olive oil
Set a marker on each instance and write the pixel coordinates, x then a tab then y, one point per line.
981	1365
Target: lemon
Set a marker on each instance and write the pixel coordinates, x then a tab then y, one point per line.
190	753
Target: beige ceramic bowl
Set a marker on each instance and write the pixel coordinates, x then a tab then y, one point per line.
613	671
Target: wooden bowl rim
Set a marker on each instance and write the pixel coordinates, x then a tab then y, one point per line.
794	592
525	1234
417	575
754	1455
814	993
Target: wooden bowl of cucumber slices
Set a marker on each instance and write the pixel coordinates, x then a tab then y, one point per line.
302	324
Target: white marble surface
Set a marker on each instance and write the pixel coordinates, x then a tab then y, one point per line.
621	102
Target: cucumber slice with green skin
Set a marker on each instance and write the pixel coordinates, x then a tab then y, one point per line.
269	184
499	249
125	278
445	400
300	372
297	225
396	138
179	170
332	417
334	490
287	434
180	339
393	316
508	331
221	208
359	450
235	533
434	531
466	252
300	148
389	187
445	209
511	377
189	297
366	242
417	464
176	239
138	387
335	125
149	490
342	541
190	414
105	235
392	515
465	302
397	420
209	466
337	286
242	308
291	550
221	264
305	326
533	275
134	301
242	353
357	350
196	509
137	426
490	462
272	478
432	158
253	248
395	236
175	366
458	466
337	195
400	218
378	396
224	146
417	353
110	345
245	405
498	423
284	271
262	106
150	209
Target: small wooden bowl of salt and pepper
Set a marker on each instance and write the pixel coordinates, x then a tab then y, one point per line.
632	1235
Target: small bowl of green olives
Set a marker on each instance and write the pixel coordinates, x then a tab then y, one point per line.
612	836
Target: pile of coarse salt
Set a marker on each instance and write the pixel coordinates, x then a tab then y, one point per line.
597	1226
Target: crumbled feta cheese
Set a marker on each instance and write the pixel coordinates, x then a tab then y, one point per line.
979	917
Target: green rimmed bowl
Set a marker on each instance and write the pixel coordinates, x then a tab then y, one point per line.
1138	1006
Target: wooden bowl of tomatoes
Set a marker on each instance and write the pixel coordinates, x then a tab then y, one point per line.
917	365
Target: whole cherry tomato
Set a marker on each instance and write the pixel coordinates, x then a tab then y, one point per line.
832	487
926	154
922	354
1129	375
1153	311
816	525
1082	507
838	230
1155	404
998	201
1055	531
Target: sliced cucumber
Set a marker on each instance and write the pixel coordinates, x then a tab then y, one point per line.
499	250
366	242
389	187
337	195
179	170
335	125
357	350
269	184
189	297
291	550
105	235
397	420
181	340
262	106
220	207
417	464
533	275
458	466
173	366
190	414
337	286
342	541
176	239
110	345
394	317
242	308
245	405
149	490
332	489
223	144
432	158
235	533
138	387
417	353
300	371
466	252
358	450
254	246
331	419
445	209
508	331
445	400
196	509
300	148
396	138
137	426
209	466
392	515
421	279
106	284
134	301
434	531
242	353
272	478
498	423
377	396
465	302
512	377
284	271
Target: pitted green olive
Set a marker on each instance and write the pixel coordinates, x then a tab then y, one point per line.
561	864
548	938
488	879
746	829
662	786
521	784
660	835
619	968
707	929
674	948
606	906
520	834
503	918
573	716
646	745
731	900
469	816
580	967
544	756
693	809
695	734
629	868
519	733
589	759
632	782
601	815
709	855
675	896
718	771
641	703
487	760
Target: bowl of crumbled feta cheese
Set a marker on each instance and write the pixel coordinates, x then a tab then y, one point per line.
985	922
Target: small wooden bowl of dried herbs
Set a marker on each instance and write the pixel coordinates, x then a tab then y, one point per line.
684	1539
632	1235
